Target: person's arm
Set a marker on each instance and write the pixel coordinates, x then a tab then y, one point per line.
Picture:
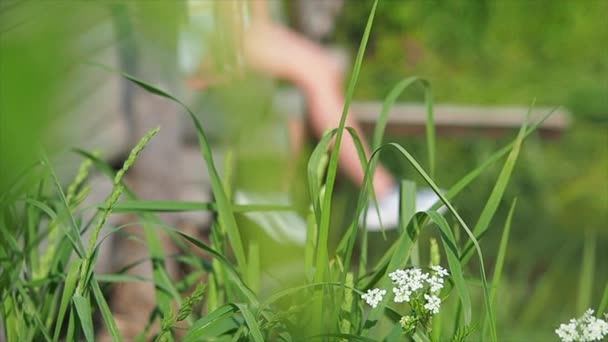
275	50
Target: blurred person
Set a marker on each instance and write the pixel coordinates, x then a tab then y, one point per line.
272	49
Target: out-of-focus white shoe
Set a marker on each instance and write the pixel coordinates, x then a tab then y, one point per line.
388	207
282	226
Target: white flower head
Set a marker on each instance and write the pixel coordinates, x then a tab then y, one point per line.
373	297
440	271
435	283
586	328
432	303
567	332
595	329
410	280
402	294
399	277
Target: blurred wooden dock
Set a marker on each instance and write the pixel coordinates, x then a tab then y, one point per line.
406	118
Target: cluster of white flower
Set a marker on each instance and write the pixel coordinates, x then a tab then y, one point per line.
407	282
412	282
373	297
432	303
586	328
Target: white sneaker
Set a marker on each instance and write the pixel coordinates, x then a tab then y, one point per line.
388	207
282	226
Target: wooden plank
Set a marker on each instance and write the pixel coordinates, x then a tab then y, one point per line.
407	118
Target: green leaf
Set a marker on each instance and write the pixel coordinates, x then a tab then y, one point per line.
83	309
498	191
68	289
456	272
500	259
198	331
106	313
322	261
585	281
388	103
72	231
230	271
43	207
252	324
603	302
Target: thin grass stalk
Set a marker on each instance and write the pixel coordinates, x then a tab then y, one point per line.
585	281
500	259
322	247
110	201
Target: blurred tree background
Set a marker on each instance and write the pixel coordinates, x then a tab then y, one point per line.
504	53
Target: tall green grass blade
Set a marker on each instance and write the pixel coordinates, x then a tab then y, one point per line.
85	315
407	207
430	129
388	103
213	297
347	315
43	207
601	309
32	241
499	188
500	258
323	237
346	245
69	287
198	331
253	266
585	281
71	231
230	271
452	253
318	161
254	329
310	246
71	330
106	314
407	210
315	163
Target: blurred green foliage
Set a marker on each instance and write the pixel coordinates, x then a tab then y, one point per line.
490	52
